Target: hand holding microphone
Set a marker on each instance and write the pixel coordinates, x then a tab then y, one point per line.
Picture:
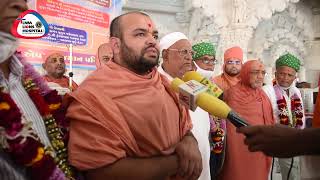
193	94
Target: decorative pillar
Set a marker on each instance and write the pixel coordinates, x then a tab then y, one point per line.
269	76
302	74
236	35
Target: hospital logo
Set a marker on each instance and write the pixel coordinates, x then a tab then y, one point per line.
30	25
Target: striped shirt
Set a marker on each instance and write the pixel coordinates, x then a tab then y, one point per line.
14	86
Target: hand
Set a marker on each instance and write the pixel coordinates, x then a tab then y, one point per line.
278	141
190	162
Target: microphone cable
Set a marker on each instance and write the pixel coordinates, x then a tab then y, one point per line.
291	165
271	174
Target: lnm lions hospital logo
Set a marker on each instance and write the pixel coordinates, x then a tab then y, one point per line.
30	25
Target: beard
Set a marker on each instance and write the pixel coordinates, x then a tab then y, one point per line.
137	62
233	72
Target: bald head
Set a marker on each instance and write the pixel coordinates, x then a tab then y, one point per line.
116	26
105	54
54	65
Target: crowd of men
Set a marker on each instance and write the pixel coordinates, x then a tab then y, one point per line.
124	121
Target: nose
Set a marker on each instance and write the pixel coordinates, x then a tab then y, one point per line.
19	5
151	40
188	57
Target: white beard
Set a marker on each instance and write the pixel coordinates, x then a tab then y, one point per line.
205	73
8	45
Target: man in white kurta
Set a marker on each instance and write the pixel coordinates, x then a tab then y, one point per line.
287	106
177	59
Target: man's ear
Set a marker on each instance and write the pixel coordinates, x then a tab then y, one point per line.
44	66
165	55
115	44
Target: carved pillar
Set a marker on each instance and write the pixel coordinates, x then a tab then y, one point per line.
269	76
302	74
237	35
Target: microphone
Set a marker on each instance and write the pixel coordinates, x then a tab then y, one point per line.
213	89
193	94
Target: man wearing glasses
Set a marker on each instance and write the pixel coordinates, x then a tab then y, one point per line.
233	58
177	56
287	106
204	58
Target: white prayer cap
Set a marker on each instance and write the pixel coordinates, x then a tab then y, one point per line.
169	39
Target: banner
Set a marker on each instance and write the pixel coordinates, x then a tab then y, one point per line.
82	23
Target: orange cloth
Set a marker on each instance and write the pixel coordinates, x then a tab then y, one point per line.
234	52
63	82
224	81
316	113
116	113
254	106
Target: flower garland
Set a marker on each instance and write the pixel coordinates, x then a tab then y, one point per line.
217	133
296	109
22	143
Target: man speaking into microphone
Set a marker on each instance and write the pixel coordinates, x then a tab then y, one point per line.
251	103
125	121
177	60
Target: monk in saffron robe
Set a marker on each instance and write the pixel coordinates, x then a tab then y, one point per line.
104	54
233	58
125	121
55	68
251	103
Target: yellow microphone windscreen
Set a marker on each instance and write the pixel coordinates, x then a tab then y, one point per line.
213	105
213	89
192	75
175	83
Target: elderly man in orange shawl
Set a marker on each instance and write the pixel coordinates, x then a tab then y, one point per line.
233	58
104	54
249	100
126	122
55	68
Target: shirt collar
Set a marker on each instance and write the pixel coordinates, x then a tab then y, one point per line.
15	66
161	71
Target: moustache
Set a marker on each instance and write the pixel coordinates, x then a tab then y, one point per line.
153	47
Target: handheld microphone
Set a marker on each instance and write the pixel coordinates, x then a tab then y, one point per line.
193	94
213	89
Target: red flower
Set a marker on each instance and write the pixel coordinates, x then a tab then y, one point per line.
14	128
41	105
52	97
42	169
26	152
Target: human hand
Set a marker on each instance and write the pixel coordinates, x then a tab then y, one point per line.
277	141
190	162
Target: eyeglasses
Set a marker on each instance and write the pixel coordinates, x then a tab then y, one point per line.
256	73
234	62
208	61
183	52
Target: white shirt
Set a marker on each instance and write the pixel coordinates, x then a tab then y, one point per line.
201	128
22	99
269	90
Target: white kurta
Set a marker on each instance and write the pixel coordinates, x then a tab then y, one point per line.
285	163
201	128
269	90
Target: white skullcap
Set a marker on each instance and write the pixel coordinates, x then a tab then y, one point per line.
169	39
